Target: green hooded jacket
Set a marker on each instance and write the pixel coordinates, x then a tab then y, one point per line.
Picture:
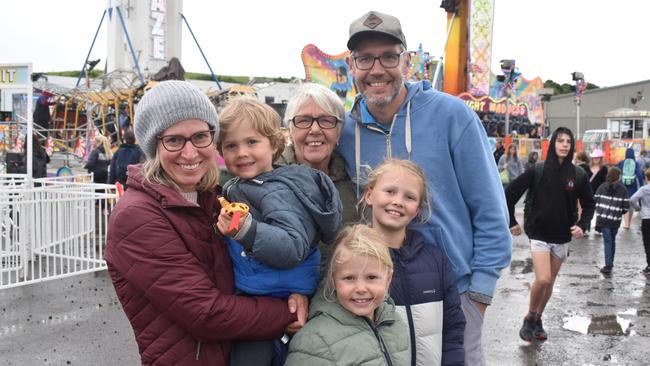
334	336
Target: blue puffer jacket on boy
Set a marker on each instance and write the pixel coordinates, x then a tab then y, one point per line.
425	293
293	208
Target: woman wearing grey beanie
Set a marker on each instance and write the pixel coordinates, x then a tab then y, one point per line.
169	266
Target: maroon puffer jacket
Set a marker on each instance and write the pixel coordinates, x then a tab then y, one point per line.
173	276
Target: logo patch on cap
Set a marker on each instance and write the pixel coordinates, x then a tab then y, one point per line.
372	21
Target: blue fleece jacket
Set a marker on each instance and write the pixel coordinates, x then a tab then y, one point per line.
469	217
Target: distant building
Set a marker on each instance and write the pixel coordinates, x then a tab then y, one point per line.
277	95
594	104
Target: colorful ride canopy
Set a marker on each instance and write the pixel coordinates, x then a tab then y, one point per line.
329	70
524	101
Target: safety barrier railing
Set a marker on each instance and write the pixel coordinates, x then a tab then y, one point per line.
52	230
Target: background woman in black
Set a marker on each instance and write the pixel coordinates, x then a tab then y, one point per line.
99	159
550	220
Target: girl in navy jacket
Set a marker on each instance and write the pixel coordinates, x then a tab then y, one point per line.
423	285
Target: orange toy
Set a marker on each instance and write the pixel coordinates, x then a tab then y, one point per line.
236	210
119	188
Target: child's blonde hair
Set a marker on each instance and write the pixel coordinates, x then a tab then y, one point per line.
264	119
405	166
354	241
101	139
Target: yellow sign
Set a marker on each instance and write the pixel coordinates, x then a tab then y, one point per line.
15	74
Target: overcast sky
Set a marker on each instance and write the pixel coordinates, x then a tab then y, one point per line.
606	40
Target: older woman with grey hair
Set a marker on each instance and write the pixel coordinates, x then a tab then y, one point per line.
315	118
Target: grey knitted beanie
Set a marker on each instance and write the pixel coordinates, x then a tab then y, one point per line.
166	104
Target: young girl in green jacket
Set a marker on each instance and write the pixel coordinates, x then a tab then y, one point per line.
351	320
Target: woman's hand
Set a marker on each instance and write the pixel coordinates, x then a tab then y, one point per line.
223	223
515	230
299	305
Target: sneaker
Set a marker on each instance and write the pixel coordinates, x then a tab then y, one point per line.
606	270
526	331
646	270
538	332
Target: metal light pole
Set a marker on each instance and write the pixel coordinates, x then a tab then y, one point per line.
545	94
507	127
509	78
578	119
579	78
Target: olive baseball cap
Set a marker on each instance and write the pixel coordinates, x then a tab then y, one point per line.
378	23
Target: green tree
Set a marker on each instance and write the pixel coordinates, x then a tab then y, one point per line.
565	88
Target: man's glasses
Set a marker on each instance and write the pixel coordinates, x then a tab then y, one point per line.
387	60
324	122
173	143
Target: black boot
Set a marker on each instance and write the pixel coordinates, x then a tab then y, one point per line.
527	329
539	333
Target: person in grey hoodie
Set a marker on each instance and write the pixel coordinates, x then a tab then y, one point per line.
511	161
641	201
532	159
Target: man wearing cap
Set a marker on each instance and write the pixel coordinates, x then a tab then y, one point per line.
394	118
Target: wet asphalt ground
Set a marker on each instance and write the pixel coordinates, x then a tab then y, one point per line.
79	321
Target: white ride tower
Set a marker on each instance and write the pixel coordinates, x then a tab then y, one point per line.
154	32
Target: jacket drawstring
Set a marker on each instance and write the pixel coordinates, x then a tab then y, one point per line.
389	146
198	350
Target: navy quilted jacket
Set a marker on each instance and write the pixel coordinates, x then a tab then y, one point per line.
424	290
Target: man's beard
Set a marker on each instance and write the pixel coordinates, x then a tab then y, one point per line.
386	100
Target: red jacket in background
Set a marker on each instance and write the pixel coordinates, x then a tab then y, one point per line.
173	276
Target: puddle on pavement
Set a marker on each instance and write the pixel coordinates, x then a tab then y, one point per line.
643	312
521	267
601	324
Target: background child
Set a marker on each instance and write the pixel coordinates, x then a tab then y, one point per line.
423	285
292	208
352	322
611	203
641	201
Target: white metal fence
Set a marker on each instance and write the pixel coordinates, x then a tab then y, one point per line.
52	230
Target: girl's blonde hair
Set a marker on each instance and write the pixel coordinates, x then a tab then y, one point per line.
354	241
106	144
264	119
153	171
405	166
